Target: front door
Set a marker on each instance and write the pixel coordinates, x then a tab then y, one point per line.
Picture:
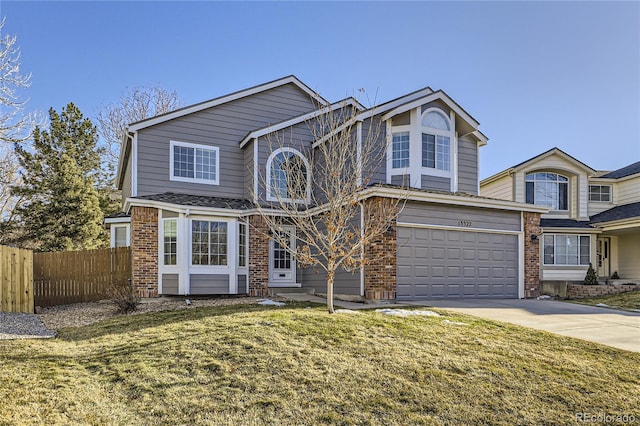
282	266
603	257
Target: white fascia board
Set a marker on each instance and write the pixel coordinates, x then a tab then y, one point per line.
395	103
458	200
616	225
555	151
296	120
481	137
499	175
117	220
224	99
429	98
177	208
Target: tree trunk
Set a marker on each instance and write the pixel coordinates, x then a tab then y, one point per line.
330	277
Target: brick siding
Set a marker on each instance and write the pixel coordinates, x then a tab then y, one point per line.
380	267
144	251
532	254
258	257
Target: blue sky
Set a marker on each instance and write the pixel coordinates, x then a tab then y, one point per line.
536	75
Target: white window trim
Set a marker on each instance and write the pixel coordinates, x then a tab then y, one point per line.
568	183
415	129
270	196
169	268
173	144
577	265
113	234
609	201
243	269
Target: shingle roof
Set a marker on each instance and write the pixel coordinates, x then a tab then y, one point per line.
117	215
629	170
563	223
625	211
199	201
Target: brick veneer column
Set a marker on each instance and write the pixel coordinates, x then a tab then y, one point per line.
258	257
380	260
532	254
144	251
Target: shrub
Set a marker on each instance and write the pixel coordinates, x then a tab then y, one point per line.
591	278
122	295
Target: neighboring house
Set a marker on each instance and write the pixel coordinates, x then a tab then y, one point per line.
190	179
594	216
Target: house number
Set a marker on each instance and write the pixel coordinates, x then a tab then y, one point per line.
465	223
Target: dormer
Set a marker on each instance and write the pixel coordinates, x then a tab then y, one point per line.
432	143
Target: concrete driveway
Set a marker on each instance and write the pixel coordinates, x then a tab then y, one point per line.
601	325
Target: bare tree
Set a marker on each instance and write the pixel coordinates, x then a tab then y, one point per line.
322	194
134	105
14	124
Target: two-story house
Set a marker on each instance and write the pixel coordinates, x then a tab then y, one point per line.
594	216
191	182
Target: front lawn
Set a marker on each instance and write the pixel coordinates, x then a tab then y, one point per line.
627	301
253	365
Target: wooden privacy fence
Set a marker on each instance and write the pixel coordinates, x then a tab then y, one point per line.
16	280
60	278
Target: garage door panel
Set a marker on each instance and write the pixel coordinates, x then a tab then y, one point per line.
437	263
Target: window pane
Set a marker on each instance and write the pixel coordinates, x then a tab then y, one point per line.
400	150
205	164
563	202
442	153
530	192
585	250
548	250
428	151
288	177
547	189
242	245
435	120
170	242
120	236
182	161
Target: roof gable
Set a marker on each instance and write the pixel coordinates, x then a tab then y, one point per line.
557	152
226	98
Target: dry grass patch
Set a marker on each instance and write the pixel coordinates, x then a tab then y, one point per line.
626	301
298	365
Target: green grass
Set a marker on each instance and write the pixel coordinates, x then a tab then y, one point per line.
298	365
626	301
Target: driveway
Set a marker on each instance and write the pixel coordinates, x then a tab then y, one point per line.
601	325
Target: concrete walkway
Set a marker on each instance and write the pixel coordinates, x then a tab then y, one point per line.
618	329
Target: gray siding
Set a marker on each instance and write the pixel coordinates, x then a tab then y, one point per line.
170	284
224	127
248	170
345	282
378	130
467	166
448	215
209	284
401	180
243	284
435	182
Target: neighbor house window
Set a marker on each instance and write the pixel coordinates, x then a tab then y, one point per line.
566	249
208	242
547	189
400	150
288	176
194	163
599	193
119	236
170	241
242	245
436	142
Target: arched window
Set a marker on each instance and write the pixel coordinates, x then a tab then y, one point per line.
436	140
288	177
547	189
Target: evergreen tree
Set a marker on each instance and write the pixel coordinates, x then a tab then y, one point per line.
62	208
591	278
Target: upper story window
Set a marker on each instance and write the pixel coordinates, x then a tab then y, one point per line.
194	163
436	141
400	150
547	189
288	176
600	193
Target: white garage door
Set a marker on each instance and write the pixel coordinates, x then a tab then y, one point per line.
438	263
